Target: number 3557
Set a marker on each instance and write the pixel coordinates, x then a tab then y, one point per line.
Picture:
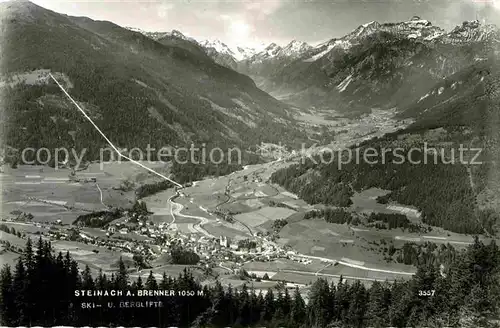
426	292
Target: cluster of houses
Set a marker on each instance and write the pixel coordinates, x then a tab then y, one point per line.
157	239
161	237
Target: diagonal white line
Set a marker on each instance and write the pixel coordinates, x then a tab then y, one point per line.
106	138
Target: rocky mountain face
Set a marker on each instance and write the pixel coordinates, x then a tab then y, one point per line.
160	35
452	188
138	90
448	82
247	60
173	38
377	65
470	97
220	53
273	58
382	65
251	61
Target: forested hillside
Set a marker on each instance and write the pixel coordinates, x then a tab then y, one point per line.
469	98
139	91
443	184
440	191
40	290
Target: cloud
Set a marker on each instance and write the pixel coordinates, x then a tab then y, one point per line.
163	9
263	7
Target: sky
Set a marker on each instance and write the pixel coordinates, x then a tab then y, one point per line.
253	23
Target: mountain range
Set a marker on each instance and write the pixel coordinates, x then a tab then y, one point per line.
237	57
378	65
446	81
389	64
168	89
382	65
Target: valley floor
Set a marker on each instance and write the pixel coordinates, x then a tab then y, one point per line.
214	217
302	251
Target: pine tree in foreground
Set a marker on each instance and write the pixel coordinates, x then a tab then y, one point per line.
40	290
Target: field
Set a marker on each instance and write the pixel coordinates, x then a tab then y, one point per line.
263	215
171	270
49	195
105	259
347	271
8	258
13	240
27	228
308	279
236	283
254	204
54	184
365	202
219	229
186	228
335	241
158	203
282	264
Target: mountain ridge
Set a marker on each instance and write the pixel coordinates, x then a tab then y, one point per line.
389	62
163	92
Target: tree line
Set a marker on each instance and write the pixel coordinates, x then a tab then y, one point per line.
152	188
393	221
40	290
98	219
331	215
440	191
425	254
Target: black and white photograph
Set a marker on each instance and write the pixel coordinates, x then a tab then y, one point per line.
240	163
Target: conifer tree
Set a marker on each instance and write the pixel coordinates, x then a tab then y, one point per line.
357	304
19	286
298	310
121	279
151	282
269	306
101	281
28	255
319	298
139	284
87	280
7	297
377	307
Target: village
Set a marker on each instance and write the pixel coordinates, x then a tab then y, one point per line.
134	233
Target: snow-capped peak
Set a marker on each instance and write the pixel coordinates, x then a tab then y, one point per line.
414	28
473	31
177	34
239	53
159	35
273	51
135	29
271	46
295	48
219	46
242	53
363	30
368	24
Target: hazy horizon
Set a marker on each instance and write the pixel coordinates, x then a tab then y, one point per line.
247	23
